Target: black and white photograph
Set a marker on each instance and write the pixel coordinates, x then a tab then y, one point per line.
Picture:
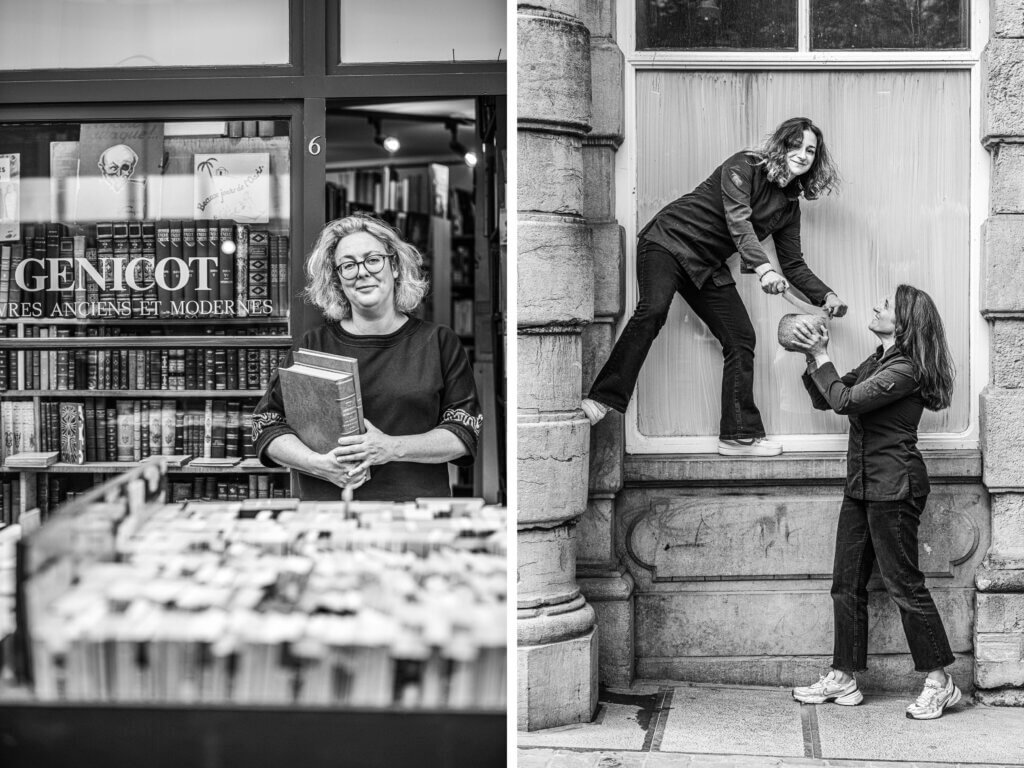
253	383
769	374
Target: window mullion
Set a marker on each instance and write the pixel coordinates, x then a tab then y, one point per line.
803	25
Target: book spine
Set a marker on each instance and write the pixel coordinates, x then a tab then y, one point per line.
226	262
242	270
72	433
51	299
233	426
205	267
259	255
122	256
156	414
136	269
188	255
167	427
218	430
90	428
14	296
174	271
148	234
136	430
282	294
92	286
5	279
80	280
162	251
208	430
104	260
179	427
119	418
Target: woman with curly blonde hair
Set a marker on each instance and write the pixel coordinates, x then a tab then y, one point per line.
419	396
683	249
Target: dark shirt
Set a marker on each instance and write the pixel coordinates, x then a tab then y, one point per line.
413	380
732	211
883	400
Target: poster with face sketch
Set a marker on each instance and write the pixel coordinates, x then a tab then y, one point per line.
10	197
233	186
118	172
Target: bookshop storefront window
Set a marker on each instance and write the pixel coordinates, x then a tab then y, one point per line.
124	246
441	30
156	33
710	81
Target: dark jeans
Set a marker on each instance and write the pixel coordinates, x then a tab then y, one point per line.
886	531
661	277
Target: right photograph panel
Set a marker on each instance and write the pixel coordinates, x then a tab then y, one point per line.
767	376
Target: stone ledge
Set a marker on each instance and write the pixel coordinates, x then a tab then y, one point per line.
812	468
1000	697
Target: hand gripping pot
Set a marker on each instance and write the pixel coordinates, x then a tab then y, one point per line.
789	322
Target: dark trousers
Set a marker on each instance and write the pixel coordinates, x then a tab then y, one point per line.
885	531
660	278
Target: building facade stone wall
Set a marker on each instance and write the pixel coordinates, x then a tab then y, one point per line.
999	628
556	634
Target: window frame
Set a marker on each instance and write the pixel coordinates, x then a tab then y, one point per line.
806	60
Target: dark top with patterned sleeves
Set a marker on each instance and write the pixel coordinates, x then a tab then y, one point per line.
413	380
883	400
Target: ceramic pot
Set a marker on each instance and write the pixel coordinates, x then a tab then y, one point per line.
789	322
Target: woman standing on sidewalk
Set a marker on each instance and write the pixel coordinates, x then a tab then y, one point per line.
886	490
683	249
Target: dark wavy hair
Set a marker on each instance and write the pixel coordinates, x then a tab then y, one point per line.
822	178
921	337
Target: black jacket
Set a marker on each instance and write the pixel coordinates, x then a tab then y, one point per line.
883	400
732	211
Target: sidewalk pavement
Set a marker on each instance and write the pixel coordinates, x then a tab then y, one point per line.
658	724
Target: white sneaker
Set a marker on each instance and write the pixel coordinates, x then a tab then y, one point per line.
829	689
594	410
934	699
754	446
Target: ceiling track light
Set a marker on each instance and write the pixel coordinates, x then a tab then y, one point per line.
468	156
389	144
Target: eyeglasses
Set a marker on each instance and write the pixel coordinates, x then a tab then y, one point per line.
373	263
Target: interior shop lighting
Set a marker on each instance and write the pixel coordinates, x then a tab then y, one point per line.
389	144
709	11
468	156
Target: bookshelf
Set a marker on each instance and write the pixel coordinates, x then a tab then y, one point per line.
145	301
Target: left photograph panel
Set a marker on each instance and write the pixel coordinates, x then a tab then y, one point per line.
252	383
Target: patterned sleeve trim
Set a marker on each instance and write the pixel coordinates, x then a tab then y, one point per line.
261	421
466	427
267	427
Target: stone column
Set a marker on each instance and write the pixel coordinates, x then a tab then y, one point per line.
605	583
999	624
557	639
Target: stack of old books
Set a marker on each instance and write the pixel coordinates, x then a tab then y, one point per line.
277	602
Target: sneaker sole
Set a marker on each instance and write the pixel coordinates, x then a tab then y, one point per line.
851	699
952	700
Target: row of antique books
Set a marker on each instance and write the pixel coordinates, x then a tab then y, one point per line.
78	366
254	485
302	605
175	369
145	269
52	490
130	429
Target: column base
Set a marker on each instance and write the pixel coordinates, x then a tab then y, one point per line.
611	595
557	683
